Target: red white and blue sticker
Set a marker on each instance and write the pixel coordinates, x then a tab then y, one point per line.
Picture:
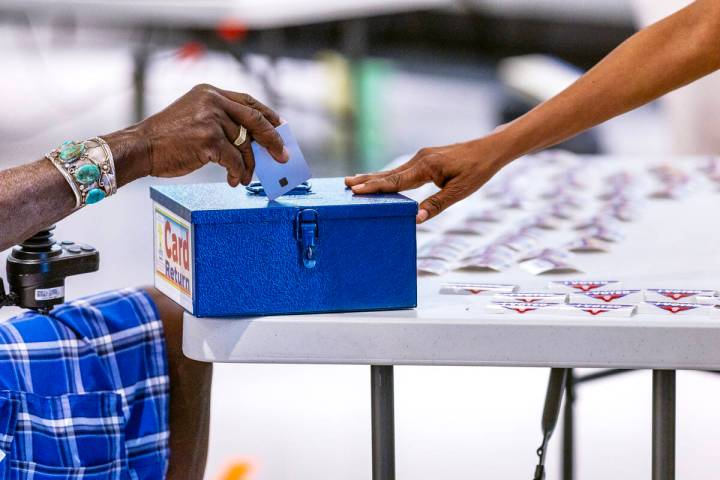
677	308
562	310
434	266
587	244
522	308
543	297
595	310
689	296
607	296
548	264
581	285
476	288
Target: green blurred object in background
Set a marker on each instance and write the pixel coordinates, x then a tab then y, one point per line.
369	78
357	100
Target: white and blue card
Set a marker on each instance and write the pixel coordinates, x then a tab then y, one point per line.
279	178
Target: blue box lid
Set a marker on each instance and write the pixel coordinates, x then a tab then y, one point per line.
219	203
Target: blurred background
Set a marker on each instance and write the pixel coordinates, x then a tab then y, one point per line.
361	82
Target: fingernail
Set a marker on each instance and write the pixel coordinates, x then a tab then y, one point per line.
358	187
422	216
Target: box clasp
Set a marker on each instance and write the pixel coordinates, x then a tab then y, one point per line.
306	233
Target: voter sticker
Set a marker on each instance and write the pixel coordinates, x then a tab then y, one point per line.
607	234
675	308
541	297
596	310
544	222
684	309
665	294
433	266
587	245
489	215
468	227
541	265
45	294
607	296
485	263
448	248
476	288
581	285
173	253
708	299
521	308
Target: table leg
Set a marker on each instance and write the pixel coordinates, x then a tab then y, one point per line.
663	428
568	439
383	422
551	414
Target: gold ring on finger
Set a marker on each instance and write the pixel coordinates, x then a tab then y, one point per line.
242	136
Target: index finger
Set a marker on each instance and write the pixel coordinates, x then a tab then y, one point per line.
394	182
252	102
364	178
452	193
258	126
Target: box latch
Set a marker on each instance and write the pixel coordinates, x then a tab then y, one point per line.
306	233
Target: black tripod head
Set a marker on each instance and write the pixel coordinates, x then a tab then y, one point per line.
37	268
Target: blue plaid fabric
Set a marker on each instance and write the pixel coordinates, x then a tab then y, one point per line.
84	391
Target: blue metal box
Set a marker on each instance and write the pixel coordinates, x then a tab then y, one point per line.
221	251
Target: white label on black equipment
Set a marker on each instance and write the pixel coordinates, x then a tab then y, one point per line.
44	294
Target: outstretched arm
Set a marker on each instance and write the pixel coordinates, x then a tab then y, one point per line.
665	56
197	129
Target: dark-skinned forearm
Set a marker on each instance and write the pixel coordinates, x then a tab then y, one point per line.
663	57
36	195
33	196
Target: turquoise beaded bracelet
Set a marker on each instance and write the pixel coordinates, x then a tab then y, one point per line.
88	168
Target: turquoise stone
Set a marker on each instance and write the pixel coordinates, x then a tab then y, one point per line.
69	152
94	196
87	174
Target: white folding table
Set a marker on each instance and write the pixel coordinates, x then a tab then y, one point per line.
672	244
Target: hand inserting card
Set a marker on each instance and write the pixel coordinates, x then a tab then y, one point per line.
279	178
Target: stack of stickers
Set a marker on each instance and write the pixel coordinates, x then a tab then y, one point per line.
592	298
517	220
456	252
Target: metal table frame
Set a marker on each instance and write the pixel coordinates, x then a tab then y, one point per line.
383	422
663	422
